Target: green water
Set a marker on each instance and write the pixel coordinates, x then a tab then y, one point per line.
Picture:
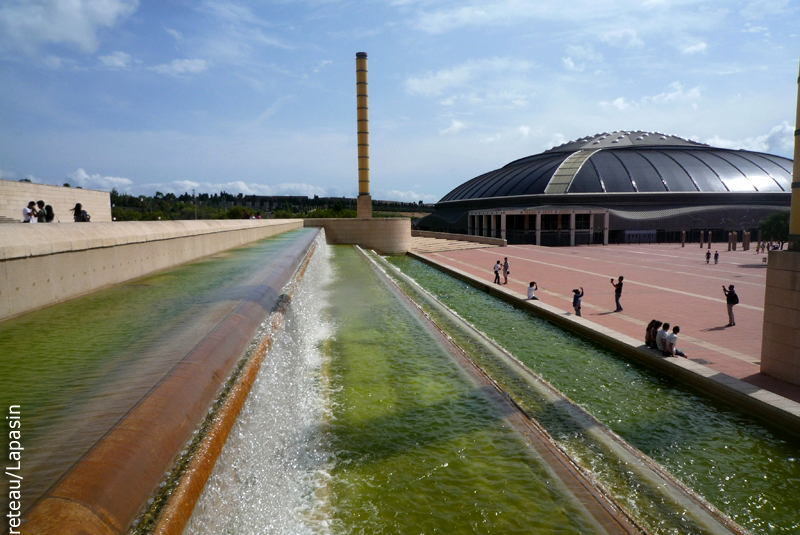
745	468
76	367
418	448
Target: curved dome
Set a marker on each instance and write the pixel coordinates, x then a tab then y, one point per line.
628	162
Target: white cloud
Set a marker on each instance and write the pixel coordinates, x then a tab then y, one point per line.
780	139
618	103
555	140
582	54
760	9
117	60
675	92
524	131
433	84
454	128
694	49
26	26
81	178
626	38
178	36
178	67
570	65
406	196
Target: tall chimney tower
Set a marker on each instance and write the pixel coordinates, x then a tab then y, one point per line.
794	214
364	199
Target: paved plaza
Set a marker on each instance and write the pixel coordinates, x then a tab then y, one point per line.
666	282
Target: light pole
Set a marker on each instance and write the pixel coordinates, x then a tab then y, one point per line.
194	202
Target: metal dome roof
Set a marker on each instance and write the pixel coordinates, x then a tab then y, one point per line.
629	162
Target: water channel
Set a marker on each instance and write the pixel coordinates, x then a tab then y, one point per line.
361	422
398	439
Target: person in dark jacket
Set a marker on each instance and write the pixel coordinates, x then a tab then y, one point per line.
80	215
732	299
576	300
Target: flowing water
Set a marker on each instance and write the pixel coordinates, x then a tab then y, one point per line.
746	468
391	436
361	422
77	367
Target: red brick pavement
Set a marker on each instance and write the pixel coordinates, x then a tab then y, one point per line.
667	282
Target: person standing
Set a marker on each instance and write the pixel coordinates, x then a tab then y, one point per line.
29	213
732	299
708	257
617	292
577	295
41	215
716	257
531	289
505	271
497	268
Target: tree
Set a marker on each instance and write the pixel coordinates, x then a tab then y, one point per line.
66	185
775	227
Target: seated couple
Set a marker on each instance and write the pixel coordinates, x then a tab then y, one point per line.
658	337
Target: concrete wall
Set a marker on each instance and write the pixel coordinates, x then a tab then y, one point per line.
462	237
14	196
780	342
45	264
384	235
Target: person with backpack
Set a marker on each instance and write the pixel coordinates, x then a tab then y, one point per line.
732	299
80	215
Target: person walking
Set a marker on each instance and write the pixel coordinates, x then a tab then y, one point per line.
80	215
617	292
505	270
716	257
708	257
732	299
577	295
531	289
497	268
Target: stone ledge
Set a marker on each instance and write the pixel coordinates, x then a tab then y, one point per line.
23	241
769	406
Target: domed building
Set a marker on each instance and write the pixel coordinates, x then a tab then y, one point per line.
621	186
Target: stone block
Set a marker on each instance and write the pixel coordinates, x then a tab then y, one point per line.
782	298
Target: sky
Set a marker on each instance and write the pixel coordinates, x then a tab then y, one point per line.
259	97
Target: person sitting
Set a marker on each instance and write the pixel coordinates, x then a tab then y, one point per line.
672	343
661	338
532	288
648	333
654	333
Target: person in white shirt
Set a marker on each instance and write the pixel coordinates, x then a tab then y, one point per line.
29	213
533	287
672	343
661	338
497	267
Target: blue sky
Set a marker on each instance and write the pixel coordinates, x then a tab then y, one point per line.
259	97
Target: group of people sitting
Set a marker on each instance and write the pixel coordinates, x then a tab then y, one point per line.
659	338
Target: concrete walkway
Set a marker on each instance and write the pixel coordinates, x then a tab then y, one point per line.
666	282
